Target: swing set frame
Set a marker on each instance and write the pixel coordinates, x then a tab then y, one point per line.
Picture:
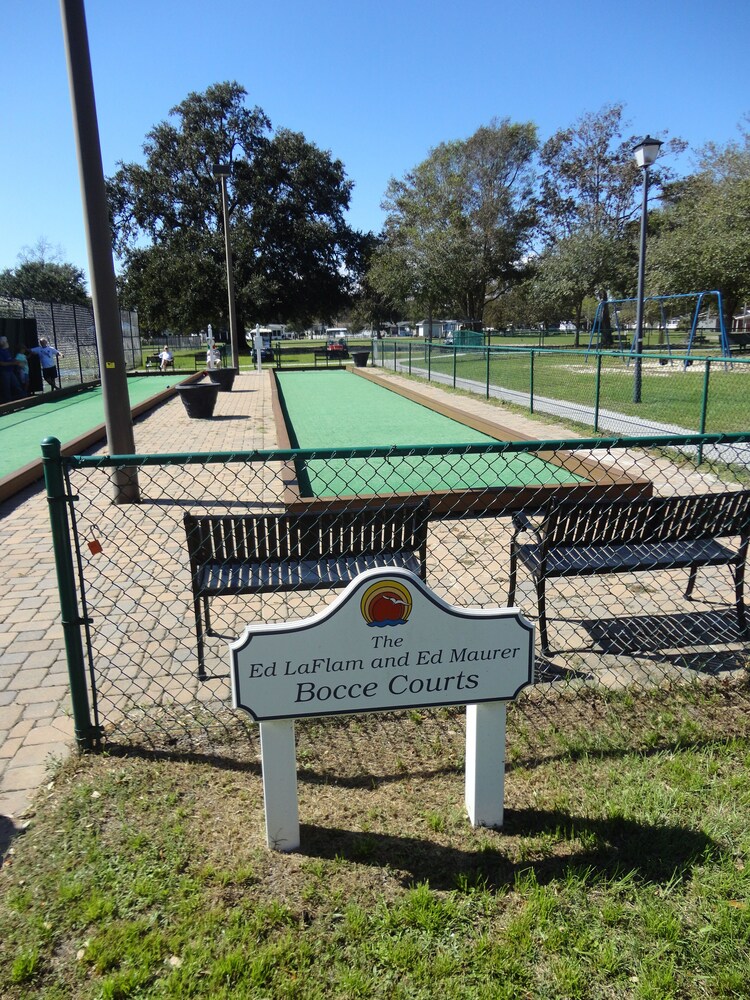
595	335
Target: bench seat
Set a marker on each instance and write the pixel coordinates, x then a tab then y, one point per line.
308	574
571	560
627	536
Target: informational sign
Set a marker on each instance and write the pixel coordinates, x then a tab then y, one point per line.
386	643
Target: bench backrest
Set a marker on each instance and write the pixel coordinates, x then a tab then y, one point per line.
294	537
653	519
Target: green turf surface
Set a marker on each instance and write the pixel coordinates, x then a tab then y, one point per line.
22	432
331	409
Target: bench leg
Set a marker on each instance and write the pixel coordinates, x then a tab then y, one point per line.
199	639
541	601
739	596
691	582
512	575
207	617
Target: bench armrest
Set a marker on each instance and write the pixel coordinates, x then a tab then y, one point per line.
527	521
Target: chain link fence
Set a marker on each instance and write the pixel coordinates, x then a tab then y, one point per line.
680	393
70	328
130	593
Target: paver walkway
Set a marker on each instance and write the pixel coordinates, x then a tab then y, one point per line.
35	721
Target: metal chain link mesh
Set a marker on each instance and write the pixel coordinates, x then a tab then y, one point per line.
605	631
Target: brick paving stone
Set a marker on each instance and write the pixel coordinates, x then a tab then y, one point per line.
9	716
35	695
41	710
24	778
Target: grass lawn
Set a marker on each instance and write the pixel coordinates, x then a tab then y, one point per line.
623	869
670	393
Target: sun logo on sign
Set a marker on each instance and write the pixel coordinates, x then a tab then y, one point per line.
387	602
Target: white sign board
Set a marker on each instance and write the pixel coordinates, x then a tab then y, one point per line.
386	643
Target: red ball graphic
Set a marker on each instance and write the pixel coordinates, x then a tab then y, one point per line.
387	608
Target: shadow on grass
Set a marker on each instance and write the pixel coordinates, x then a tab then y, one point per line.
8	832
596	848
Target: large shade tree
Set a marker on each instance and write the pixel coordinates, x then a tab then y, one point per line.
589	200
43	276
458	224
701	241
293	251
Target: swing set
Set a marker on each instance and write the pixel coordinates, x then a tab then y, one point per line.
620	337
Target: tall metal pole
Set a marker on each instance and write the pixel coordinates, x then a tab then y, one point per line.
646	153
637	380
233	339
117	417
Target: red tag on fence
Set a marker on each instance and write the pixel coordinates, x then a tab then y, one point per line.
95	548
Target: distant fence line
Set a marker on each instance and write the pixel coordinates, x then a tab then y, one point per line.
681	393
70	328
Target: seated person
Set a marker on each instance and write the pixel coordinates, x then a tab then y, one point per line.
165	358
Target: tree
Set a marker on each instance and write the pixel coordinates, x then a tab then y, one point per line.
701	241
589	200
458	224
291	246
42	276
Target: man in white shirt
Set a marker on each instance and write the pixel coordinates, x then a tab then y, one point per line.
165	359
48	356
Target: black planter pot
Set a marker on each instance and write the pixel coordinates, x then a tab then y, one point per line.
223	377
360	358
199	400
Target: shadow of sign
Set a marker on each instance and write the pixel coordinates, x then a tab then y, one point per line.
651	853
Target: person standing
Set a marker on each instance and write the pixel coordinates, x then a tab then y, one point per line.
22	361
10	384
48	356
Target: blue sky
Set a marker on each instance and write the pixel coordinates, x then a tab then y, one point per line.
376	82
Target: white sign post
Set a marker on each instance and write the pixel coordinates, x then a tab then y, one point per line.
386	643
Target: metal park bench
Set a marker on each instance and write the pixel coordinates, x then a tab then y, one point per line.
269	553
626	536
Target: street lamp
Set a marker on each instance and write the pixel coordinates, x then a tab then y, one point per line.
222	171
645	154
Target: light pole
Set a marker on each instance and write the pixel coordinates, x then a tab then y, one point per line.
118	420
222	171
645	154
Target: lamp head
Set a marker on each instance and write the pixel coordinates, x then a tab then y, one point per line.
646	151
222	169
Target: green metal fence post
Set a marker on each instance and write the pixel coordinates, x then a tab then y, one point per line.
410	357
597	390
531	381
487	384
704	407
429	362
455	353
85	732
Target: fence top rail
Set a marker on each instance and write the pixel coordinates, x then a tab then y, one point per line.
393	451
